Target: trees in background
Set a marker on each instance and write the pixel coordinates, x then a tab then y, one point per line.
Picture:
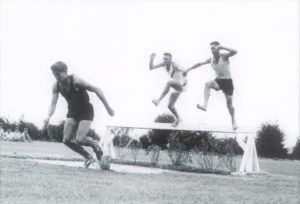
269	141
53	133
188	140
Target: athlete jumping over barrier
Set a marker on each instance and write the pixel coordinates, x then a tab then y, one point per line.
220	63
178	82
80	111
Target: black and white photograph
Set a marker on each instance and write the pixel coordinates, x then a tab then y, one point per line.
149	101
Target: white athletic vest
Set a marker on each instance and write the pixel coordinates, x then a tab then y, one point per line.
222	68
176	73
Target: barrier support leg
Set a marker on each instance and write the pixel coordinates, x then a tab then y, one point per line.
249	162
106	144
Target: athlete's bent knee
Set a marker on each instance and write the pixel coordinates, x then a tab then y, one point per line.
169	83
66	141
171	107
80	141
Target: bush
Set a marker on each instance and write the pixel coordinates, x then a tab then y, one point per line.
5	123
55	133
269	141
145	141
121	137
160	137
154	151
178	151
135	147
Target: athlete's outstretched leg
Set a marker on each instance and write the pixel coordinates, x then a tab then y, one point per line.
231	111
82	139
171	84
69	133
173	98
209	85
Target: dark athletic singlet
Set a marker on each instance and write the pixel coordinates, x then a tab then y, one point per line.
79	106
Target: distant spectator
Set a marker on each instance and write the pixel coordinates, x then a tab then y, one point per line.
16	135
8	135
25	136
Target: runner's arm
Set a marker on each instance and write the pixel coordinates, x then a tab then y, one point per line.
83	84
231	52
52	104
151	66
197	65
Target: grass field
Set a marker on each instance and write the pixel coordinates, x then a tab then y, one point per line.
24	181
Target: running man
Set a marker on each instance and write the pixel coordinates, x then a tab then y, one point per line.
220	63
80	111
178	82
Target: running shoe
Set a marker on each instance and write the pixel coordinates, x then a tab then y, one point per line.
89	162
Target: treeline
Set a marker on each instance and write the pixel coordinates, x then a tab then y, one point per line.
53	133
269	139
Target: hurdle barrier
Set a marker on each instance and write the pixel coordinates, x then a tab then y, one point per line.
249	163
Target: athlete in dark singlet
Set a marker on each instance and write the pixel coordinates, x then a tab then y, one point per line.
79	106
80	111
220	63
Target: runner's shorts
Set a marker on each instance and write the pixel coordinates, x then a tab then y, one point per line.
81	112
226	85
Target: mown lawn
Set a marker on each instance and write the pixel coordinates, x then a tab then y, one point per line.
23	181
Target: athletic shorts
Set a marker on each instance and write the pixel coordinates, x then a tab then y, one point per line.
184	88
82	112
226	85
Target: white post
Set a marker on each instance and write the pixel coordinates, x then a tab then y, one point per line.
249	162
106	144
240	140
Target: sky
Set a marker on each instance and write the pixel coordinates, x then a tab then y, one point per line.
108	44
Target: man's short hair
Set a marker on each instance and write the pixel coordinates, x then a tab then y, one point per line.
59	67
215	43
168	54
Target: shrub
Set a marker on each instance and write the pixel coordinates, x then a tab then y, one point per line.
204	159
55	133
145	141
121	137
135	147
269	141
160	137
177	149
154	151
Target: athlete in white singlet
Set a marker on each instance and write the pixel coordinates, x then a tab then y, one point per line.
178	81
220	63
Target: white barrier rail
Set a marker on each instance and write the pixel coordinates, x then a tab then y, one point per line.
249	163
